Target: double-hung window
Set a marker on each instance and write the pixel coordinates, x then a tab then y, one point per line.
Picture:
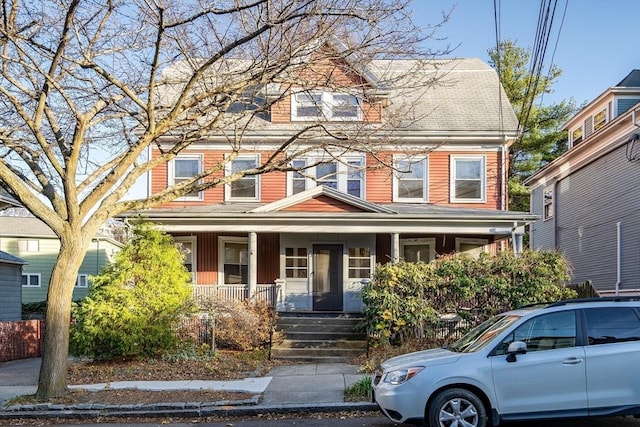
247	187
28	245
187	246
548	203
576	136
346	175
418	250
234	260
600	119
185	167
410	183
82	281
468	176
325	105
31	280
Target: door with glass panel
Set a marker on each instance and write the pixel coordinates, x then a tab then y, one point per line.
327	277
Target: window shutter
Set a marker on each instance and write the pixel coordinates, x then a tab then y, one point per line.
588	127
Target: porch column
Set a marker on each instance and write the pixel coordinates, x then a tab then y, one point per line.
253	265
395	247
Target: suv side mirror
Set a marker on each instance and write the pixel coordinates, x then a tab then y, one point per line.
516	347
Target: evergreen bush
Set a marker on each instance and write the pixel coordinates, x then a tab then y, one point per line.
434	301
135	303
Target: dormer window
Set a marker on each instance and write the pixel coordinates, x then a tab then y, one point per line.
600	119
325	105
576	136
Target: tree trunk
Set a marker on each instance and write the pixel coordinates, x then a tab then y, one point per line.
53	371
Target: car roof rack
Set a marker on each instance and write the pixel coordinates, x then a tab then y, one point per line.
598	299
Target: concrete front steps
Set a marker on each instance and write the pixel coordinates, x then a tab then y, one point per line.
318	337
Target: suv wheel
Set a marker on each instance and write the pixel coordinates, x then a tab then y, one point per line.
456	407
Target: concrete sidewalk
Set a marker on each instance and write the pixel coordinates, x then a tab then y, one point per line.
295	388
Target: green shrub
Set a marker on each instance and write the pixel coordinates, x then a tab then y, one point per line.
407	301
359	391
135	303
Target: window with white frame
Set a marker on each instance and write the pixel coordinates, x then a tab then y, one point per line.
296	263
576	136
547	206
600	119
297	179
418	250
327	174
233	260
468	179
326	105
187	247
346	175
82	281
247	187
28	245
471	247
355	177
359	263
30	280
182	168
410	183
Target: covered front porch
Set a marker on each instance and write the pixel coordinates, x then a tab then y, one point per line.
314	253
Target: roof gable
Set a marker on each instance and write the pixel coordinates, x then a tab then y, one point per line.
331	199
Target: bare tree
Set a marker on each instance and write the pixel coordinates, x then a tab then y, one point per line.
88	86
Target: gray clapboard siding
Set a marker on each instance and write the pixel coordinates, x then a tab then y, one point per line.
589	204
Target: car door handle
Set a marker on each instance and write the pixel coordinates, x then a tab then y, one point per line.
572	361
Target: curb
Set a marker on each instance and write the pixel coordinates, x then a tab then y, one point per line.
248	407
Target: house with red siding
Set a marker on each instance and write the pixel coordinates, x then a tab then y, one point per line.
423	175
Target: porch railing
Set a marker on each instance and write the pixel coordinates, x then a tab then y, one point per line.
265	293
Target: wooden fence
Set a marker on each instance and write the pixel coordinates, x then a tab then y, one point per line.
21	339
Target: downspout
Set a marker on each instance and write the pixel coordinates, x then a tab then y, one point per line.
618	256
505	185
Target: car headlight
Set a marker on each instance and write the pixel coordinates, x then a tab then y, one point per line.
400	376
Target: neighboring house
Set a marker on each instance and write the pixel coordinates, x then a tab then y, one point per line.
319	235
10	287
589	198
32	240
6	201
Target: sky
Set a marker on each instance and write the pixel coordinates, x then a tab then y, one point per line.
596	45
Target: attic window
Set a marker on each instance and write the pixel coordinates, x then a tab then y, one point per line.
576	136
325	105
599	120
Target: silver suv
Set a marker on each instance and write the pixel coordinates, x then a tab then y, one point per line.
572	358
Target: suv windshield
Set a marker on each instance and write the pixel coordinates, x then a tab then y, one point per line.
478	337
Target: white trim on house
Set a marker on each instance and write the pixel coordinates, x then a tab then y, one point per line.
483	178
193	256
228	168
222	240
429	241
479	243
399	173
171	174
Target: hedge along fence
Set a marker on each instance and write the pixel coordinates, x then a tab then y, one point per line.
438	301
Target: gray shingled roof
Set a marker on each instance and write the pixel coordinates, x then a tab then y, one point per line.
448	97
10	259
24	226
632	80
